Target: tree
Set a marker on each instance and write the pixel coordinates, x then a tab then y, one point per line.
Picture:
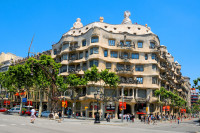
196	107
74	81
20	79
46	79
110	79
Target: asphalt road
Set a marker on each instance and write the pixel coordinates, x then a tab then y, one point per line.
21	124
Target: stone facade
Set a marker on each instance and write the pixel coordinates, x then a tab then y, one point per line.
133	52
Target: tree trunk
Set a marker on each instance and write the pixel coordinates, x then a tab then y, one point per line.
40	107
21	106
2	103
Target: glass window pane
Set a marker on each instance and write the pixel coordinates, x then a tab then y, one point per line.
84	43
108	65
135	56
94	39
114	54
111	42
81	55
140	44
105	53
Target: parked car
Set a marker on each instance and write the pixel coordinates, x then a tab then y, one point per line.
44	114
14	110
3	109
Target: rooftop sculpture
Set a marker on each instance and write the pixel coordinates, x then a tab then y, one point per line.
127	20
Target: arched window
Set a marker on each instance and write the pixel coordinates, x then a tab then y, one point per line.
94	39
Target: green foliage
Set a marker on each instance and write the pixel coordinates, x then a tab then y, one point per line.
92	75
73	80
109	78
168	95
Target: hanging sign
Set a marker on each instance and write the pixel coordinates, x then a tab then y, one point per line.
122	106
64	104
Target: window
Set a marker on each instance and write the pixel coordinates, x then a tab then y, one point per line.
135	56
140	44
152	45
55	51
128	43
120	67
113	54
139	68
154	67
142	93
84	66
154	80
78	67
63	69
94	50
64	57
111	42
146	56
94	62
86	54
153	56
65	46
83	43
105	53
139	80
80	55
95	39
108	65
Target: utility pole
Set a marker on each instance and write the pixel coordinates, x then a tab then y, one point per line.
122	118
64	105
30	46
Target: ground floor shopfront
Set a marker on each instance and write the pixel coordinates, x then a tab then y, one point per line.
88	108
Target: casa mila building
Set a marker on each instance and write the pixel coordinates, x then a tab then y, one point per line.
130	50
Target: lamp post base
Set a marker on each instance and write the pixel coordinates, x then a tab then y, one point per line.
97	120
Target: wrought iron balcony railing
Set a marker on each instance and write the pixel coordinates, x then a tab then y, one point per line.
126	45
124	57
71	48
128	81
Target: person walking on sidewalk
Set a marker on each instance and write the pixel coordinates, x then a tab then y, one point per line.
32	115
178	119
60	116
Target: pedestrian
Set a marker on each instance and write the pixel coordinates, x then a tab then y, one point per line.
178	119
108	117
127	117
133	117
32	115
60	116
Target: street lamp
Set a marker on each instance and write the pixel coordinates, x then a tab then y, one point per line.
64	102
97	120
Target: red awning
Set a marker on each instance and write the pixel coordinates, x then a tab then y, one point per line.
141	113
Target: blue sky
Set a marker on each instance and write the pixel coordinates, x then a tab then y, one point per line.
175	22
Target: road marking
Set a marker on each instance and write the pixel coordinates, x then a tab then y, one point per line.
13	124
23	124
2	125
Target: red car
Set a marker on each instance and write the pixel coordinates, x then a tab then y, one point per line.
3	109
28	112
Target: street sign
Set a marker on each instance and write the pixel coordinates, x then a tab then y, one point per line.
124	105
24	100
64	104
86	107
147	108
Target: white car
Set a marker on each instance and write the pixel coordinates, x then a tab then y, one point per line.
14	110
